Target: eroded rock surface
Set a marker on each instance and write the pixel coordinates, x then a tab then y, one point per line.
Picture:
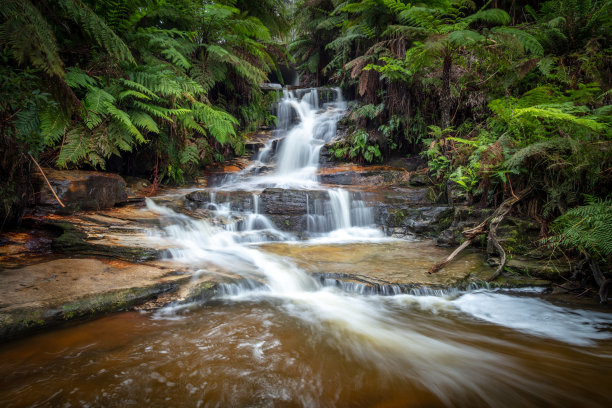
79	190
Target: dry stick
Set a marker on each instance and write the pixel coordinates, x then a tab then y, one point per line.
493	221
442	264
47	180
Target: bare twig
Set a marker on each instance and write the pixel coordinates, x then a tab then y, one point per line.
47	180
442	264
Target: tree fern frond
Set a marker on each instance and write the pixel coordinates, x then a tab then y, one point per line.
490	16
124	120
587	227
53	124
97	29
77	78
461	38
529	42
219	124
98	100
75	147
29	37
144	121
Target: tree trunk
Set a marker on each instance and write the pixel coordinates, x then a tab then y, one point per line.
445	97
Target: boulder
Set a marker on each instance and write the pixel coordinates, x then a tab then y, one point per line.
79	190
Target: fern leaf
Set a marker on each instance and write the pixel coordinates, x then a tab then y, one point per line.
53	124
144	121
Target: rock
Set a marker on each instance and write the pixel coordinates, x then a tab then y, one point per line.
52	292
540	269
136	187
420	179
290	202
517	236
454	194
351	174
79	190
74	241
419	221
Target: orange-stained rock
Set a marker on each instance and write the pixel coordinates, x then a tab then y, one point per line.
79	190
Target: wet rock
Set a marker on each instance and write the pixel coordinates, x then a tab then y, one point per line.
419	221
75	241
365	176
238	200
137	187
53	292
79	190
288	201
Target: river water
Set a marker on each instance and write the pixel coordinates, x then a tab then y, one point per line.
281	336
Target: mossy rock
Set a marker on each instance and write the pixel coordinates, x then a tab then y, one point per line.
539	269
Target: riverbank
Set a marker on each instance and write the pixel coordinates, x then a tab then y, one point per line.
89	263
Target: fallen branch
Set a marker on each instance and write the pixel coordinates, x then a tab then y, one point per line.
442	264
47	180
490	224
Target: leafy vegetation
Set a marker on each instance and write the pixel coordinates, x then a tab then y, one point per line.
496	96
166	85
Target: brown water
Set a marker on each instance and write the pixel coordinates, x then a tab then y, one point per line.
290	351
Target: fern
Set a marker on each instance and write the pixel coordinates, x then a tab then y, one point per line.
53	124
77	78
97	29
588	227
29	36
531	45
144	121
75	147
218	123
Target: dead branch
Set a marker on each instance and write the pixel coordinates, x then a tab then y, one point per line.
442	264
490	224
47	180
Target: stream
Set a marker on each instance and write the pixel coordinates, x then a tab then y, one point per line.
285	335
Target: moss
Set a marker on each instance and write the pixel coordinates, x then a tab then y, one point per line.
24	321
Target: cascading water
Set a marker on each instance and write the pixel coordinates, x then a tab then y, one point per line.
278	335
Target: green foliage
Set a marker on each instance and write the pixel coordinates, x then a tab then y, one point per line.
177	78
357	147
588	227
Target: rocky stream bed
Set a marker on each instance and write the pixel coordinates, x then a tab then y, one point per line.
84	261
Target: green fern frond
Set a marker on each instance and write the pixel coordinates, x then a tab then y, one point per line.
556	114
490	16
219	124
75	147
530	43
189	155
97	29
144	121
541	149
98	100
462	38
29	37
124	120
587	227
77	78
53	124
